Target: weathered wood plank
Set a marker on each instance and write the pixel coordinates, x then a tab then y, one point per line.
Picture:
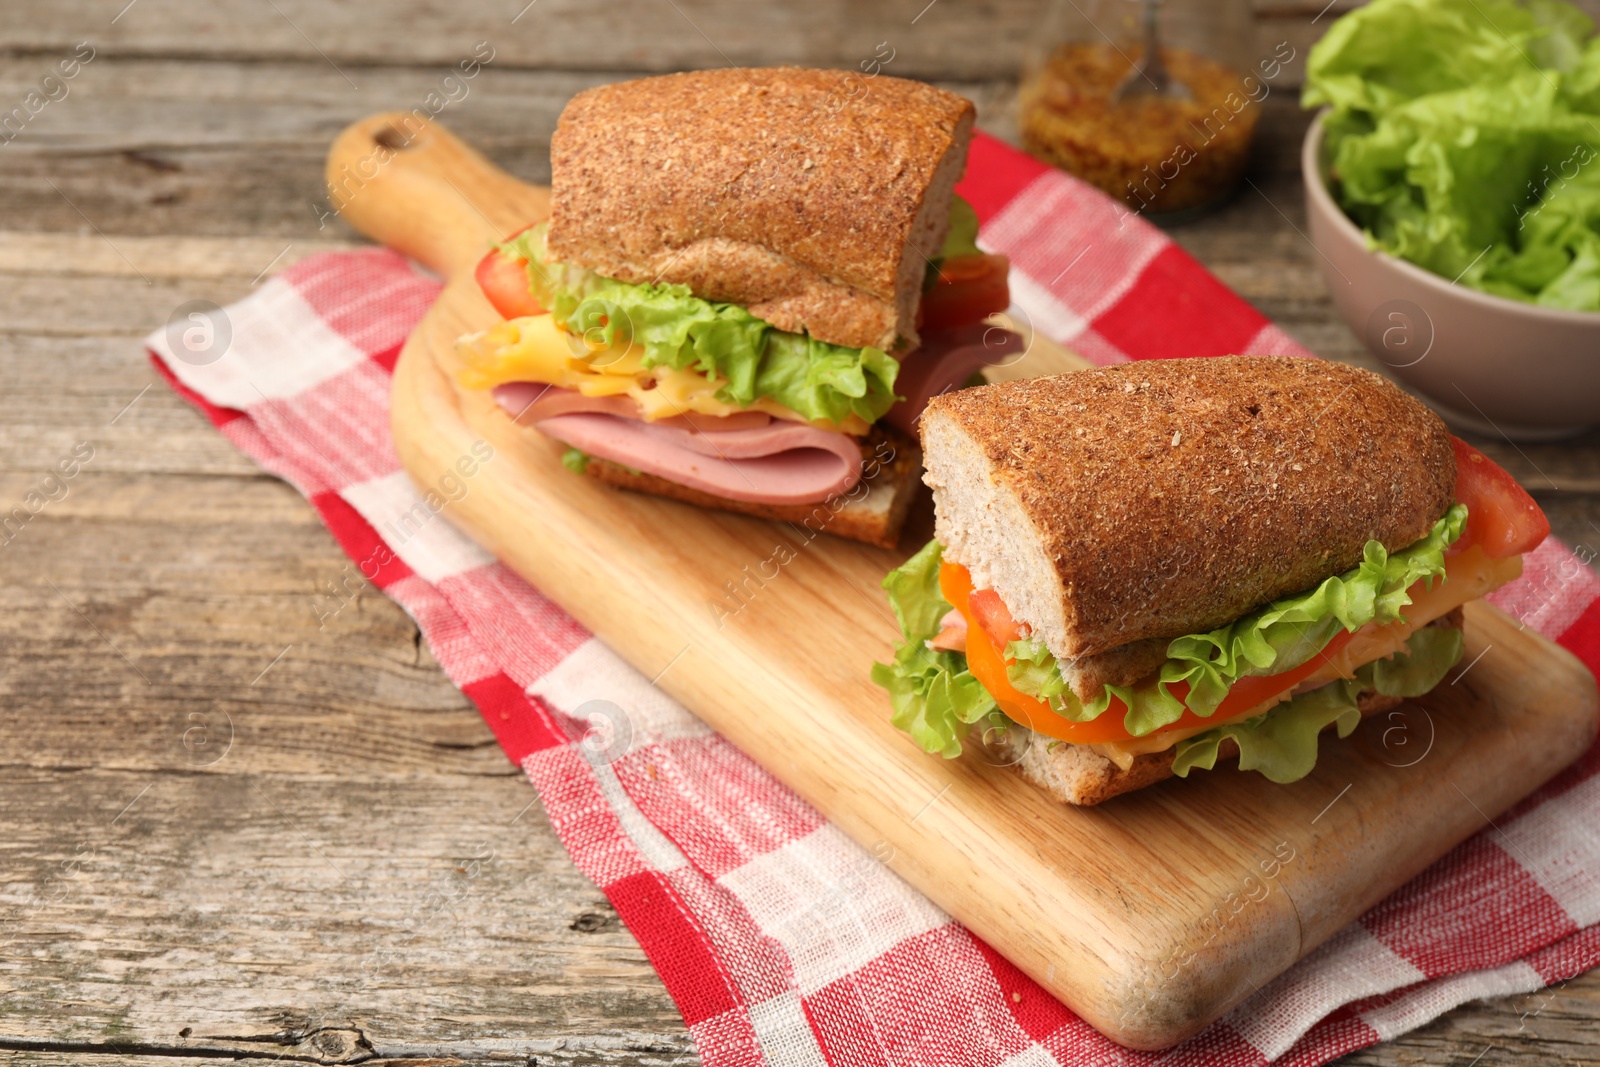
950	39
1555	1026
167	147
963	40
316	917
145	105
629	1049
237	259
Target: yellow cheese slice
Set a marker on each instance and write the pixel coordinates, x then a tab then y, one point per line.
1468	576
536	349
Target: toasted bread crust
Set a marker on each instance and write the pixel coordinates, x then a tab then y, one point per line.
874	514
1077	775
811	196
1168	497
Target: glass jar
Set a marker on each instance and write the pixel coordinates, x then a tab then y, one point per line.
1166	146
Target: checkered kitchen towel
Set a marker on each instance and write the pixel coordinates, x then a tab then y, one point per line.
781	940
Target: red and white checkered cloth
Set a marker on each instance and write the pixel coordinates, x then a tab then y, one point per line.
781	941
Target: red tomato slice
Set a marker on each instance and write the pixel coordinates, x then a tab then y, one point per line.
968	289
504	280
1501	517
994	617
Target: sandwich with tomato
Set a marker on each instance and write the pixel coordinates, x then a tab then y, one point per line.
1141	571
750	283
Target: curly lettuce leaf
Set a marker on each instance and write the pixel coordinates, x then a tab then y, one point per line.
1430	652
1282	744
1269	640
934	697
1463	137
1391	52
1288	632
1033	671
1478	185
1567	30
913	589
812	376
676	329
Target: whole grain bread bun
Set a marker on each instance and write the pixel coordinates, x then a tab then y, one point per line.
1165	497
873	511
1077	774
814	197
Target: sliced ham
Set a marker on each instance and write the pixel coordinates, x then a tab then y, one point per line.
528	402
750	455
947	359
531	402
746	456
952	635
781	463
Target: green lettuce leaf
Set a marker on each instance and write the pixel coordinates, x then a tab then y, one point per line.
1282	744
1567	31
960	240
1269	640
962	237
1031	669
913	589
1430	652
1463	137
679	330
1288	632
575	460
934	697
1391	52
812	376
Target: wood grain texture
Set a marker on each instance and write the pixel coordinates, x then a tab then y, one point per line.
196	146
182	955
1100	936
981	39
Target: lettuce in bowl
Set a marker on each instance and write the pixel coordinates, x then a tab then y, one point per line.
1464	136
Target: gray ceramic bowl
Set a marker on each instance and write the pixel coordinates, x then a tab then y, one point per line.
1483	362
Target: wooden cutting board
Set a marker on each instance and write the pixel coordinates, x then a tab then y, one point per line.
1149	916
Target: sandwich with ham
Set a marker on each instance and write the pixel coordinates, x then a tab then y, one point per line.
749	284
1144	570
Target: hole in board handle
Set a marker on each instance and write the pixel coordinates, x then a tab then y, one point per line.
392	139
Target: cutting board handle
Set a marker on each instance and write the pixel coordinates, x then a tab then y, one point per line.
407	182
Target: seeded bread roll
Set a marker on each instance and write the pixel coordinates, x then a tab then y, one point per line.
1165	497
814	197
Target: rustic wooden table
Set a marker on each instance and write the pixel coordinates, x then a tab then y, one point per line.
233	826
